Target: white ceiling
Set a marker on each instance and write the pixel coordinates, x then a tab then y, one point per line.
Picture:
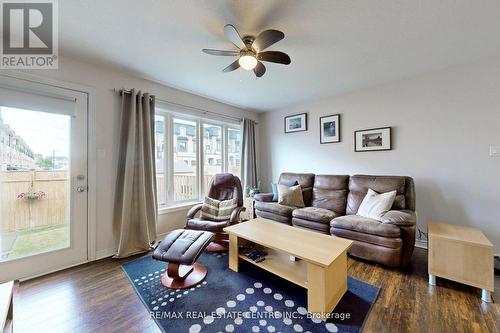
335	46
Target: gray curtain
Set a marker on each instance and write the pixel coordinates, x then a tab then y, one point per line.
248	155
135	196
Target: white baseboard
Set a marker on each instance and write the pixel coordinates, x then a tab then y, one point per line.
52	271
421	244
105	253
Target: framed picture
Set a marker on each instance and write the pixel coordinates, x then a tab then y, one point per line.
329	129
374	139
296	123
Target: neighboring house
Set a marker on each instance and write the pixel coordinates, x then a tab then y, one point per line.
185	147
14	151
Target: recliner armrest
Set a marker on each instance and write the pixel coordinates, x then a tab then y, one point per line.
235	215
264	197
192	212
400	217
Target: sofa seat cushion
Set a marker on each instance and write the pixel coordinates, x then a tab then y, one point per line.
388	242
387	256
323	228
314	214
366	225
275	208
199	224
274	217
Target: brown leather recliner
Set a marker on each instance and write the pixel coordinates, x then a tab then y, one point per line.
390	241
223	186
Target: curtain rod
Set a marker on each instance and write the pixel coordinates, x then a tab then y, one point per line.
121	91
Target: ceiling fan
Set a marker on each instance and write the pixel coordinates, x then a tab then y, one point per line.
251	50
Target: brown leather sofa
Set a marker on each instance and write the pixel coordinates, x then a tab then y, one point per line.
332	207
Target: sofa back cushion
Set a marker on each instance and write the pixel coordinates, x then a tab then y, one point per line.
359	185
305	180
330	192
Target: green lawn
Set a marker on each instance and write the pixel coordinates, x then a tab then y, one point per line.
40	240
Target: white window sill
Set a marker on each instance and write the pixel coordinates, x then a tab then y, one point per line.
178	207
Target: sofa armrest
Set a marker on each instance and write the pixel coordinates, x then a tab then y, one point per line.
235	215
400	217
264	197
192	212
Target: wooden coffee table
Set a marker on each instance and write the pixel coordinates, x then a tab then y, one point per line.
322	264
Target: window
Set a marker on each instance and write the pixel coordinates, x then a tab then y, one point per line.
212	136
185	175
181	142
160	159
234	150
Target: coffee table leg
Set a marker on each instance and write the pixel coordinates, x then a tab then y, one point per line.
233	253
326	286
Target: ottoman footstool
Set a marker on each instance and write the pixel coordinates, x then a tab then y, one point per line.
181	248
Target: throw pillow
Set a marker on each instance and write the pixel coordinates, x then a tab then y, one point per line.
274	187
216	210
290	196
375	205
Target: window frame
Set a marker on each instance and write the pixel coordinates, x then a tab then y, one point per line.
169	149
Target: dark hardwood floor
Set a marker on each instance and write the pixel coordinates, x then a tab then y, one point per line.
97	297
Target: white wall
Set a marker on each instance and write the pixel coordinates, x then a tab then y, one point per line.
103	80
443	124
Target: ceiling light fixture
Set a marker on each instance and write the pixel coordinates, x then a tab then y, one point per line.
247	60
250	51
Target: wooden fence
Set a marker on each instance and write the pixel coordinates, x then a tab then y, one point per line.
184	186
22	213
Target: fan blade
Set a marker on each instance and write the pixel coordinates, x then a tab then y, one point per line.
260	69
266	39
221	53
232	67
234	37
274	56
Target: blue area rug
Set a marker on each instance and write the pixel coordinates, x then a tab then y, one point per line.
250	301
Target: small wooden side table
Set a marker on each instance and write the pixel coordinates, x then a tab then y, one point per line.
249	213
462	254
